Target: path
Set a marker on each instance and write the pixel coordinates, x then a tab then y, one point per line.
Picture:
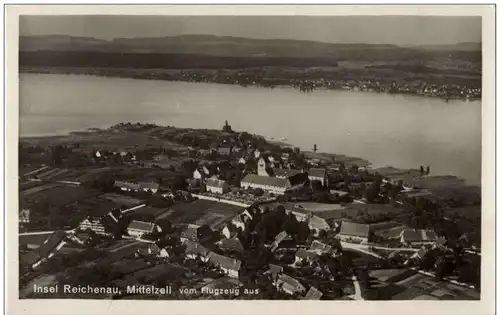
43	232
357	290
124	246
35	171
359	248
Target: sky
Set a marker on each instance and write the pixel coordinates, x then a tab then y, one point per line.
396	30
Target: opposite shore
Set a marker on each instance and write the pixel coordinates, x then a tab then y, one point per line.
446	90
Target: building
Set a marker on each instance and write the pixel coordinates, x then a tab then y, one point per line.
278	186
263	168
282	236
46	251
313	294
274	271
289	285
149	187
24	216
231	244
350	231
195	233
157	250
285	173
139	228
321	248
224	151
305	256
217	186
198	174
102	225
230	266
418	237
317	224
127	186
256	153
318	174
195	250
82	237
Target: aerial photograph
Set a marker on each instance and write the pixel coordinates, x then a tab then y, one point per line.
178	157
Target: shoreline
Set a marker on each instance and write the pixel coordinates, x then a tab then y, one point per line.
303	85
325	155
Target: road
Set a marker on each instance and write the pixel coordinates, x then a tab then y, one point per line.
124	246
43	232
359	248
35	171
357	290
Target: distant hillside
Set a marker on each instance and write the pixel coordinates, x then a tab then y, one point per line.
475	47
232	47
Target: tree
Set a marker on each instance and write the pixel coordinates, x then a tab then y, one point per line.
258	192
428	170
421	170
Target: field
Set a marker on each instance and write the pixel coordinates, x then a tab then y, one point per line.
202	212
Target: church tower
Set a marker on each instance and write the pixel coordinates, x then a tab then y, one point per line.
262	168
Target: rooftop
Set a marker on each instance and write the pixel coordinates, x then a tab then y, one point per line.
313	294
355	229
317	172
216	183
283	172
265	180
141	226
224	261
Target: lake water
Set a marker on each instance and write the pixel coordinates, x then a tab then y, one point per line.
394	130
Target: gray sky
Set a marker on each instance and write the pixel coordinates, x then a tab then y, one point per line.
398	30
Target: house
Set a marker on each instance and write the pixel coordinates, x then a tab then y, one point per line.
318	174
278	239
317	224
224	151
149	187
102	225
139	228
256	153
245	159
289	285
420	254
24	216
278	186
195	232
274	271
46	251
339	193
230	266
231	244
198	174
304	255
195	250
82	237
350	231
157	250
217	186
285	173
313	294
321	248
418	237
127	186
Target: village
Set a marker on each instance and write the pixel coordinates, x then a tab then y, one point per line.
220	214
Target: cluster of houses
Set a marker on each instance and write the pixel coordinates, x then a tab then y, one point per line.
150	187
278	181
